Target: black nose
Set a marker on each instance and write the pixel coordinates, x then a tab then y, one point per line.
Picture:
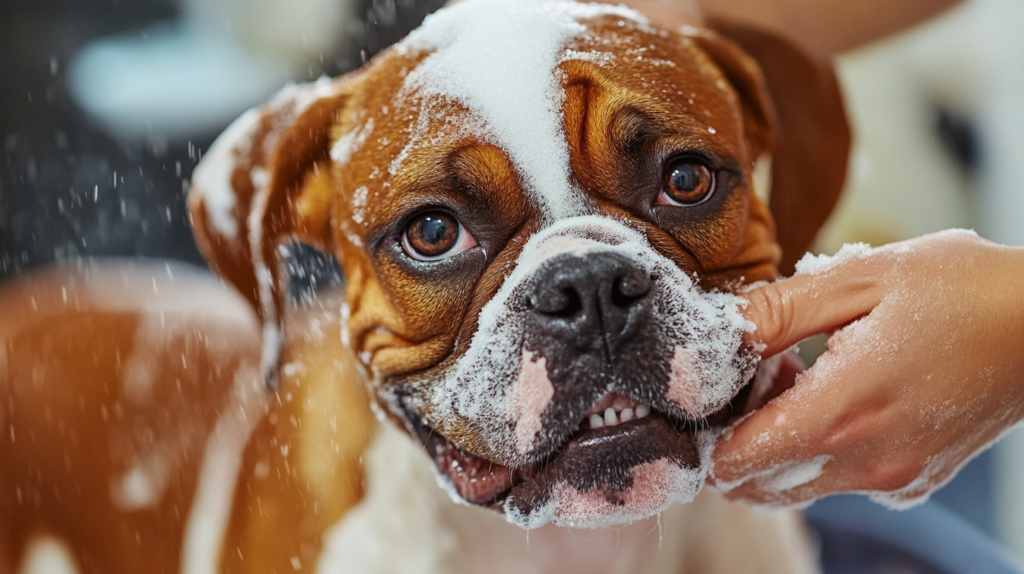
589	301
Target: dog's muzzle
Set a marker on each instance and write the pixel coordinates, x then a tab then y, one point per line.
591	372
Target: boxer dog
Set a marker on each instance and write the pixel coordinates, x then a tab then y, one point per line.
540	210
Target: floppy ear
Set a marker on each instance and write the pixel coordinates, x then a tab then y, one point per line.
265	181
798	98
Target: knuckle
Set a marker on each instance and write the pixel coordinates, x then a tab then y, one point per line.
772	313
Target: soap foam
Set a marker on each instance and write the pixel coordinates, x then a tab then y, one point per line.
350	143
784	477
499	58
217	168
811	264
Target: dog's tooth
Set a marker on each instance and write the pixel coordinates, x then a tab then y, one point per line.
596	421
642	411
626	415
610	418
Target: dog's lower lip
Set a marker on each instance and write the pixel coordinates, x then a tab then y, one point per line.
603	462
482	482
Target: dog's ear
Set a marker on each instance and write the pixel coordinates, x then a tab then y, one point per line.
266	181
795	98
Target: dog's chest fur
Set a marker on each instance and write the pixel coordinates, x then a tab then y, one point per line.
403	509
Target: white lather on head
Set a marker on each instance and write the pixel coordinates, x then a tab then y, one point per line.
499	58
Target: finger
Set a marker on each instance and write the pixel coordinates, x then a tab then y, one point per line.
894	480
765	439
789	311
826	409
782	489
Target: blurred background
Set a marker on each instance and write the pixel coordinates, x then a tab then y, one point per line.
107	105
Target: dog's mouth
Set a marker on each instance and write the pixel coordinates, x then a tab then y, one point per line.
621	452
615	436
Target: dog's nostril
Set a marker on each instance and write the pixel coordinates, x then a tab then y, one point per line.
573	304
627	289
563	303
557	303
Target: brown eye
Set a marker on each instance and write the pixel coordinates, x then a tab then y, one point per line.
435	235
686	182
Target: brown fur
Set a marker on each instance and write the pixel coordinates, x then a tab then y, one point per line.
71	428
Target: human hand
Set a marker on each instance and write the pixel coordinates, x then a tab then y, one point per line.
929	372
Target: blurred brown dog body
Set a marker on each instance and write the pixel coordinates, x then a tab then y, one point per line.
451	226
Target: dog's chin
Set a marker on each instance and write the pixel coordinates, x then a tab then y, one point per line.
599	476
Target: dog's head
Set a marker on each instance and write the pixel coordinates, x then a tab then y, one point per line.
539	208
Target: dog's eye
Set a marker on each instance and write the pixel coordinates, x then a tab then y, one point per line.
686	182
434	236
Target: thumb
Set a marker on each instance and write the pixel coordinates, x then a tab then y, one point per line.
789	311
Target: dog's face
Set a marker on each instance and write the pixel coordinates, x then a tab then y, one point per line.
537	207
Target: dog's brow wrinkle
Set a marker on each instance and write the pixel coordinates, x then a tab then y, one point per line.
631	127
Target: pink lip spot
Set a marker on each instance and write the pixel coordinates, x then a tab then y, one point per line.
683	386
650	486
650	493
575	507
529	397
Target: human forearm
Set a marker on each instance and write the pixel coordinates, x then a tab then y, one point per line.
830	26
824	26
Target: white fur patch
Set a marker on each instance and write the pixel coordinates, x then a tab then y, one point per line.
217	168
211	506
350	143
